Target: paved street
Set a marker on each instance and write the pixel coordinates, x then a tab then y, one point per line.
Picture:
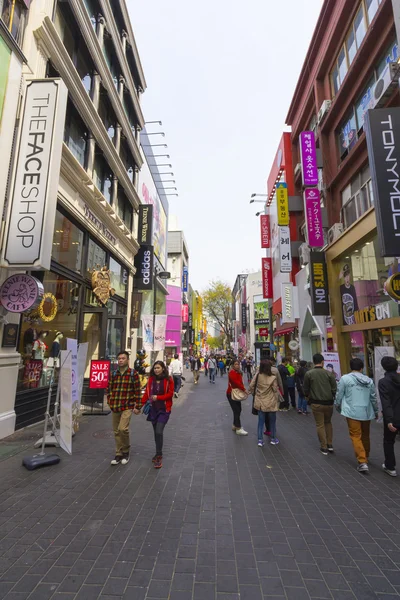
223	519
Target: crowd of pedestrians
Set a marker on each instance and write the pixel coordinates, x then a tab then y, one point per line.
354	397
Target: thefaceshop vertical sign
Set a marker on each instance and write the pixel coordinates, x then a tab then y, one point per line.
32	208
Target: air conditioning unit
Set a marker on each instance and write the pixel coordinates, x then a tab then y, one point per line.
304	254
334	232
323	111
297	170
386	85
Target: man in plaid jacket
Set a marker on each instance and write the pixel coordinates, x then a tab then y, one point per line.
123	395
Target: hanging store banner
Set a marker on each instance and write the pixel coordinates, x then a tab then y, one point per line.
72	346
82	358
136	309
34	185
382	126
332	364
266	270
147	332
308	157
159	332
144	264
282	203
265	231
312	209
319	285
287	303
65	383
244	317
185	313
145	224
185	279
285	253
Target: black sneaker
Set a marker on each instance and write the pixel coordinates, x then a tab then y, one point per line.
330	448
324	451
116	460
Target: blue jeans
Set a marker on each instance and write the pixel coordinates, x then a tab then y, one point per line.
261	422
177	383
302	403
212	374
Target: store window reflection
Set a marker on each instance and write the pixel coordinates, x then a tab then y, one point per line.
44	330
67	243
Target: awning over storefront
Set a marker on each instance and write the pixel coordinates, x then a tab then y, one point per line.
284	331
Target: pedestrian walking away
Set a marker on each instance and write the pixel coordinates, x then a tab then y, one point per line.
320	390
264	387
196	367
159	391
206	366
212	368
299	379
176	369
389	393
356	400
291	383
274	371
284	373
123	396
221	366
235	381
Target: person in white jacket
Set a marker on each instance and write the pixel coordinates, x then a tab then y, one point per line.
176	369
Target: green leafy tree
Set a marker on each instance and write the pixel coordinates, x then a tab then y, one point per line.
216	343
217	304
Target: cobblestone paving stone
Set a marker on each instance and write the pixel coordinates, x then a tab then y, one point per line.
222	520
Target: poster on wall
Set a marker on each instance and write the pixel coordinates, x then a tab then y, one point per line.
159	332
147	332
348	295
332	363
379	353
65	384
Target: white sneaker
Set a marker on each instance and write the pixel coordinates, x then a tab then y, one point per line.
116	461
125	460
389	471
241	431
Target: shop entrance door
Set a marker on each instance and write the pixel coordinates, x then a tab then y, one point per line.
94	328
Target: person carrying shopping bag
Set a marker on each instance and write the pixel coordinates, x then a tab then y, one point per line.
264	386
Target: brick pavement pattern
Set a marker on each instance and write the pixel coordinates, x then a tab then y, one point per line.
222	520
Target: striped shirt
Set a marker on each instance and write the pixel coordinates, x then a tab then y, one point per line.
124	390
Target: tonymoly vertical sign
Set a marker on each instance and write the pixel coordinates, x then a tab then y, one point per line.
33	198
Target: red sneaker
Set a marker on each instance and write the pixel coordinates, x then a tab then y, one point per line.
158	462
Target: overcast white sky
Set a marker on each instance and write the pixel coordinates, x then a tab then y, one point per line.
220	76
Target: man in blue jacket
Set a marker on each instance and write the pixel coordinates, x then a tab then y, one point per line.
356	400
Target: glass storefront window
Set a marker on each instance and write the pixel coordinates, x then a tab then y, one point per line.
96	257
67	243
39	341
119	278
362	277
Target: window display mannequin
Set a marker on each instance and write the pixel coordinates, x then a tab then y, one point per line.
56	345
39	346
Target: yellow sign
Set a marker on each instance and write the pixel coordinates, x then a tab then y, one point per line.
392	286
282	202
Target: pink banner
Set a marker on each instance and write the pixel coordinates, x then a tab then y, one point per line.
312	207
267	278
308	153
265	234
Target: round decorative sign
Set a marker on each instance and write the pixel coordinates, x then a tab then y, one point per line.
21	293
392	286
49	298
293	345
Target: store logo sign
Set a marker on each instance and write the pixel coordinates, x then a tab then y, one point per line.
144	261
392	286
312	209
185	279
285	252
265	231
266	270
319	284
145	224
282	202
308	154
287	303
21	293
32	208
244	317
382	131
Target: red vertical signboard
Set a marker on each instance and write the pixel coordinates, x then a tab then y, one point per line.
267	278
265	237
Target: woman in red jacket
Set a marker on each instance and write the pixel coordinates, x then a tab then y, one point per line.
235	380
160	390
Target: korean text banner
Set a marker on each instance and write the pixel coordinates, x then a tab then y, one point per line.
265	232
312	208
285	252
308	154
282	203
